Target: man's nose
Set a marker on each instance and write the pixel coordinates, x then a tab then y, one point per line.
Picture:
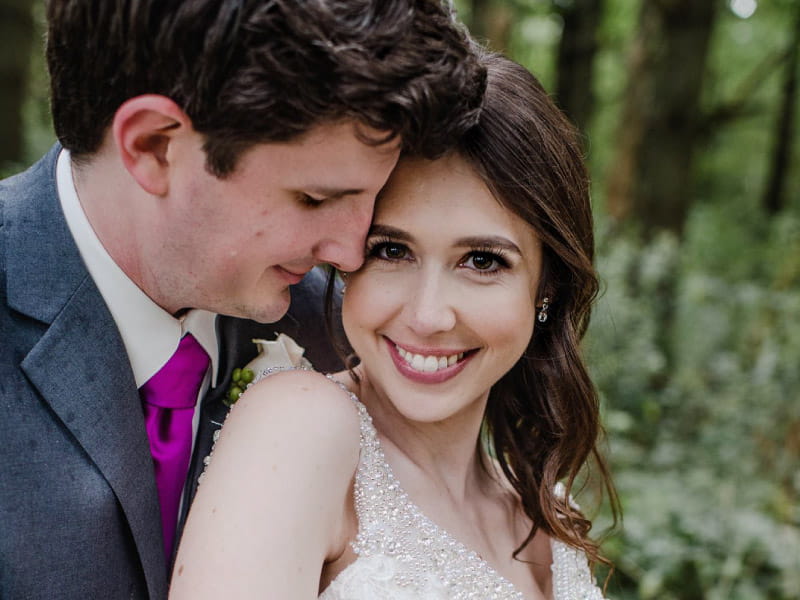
343	247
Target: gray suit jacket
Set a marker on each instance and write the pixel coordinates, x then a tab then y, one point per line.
79	515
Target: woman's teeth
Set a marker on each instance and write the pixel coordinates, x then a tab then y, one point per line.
428	364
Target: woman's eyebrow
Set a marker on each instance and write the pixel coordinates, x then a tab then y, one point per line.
490	241
473	241
390	232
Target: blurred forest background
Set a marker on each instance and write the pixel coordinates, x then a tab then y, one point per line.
689	110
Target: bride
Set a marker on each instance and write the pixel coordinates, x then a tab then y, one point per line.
440	466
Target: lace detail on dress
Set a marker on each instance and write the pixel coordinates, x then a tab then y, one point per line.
572	578
403	555
391	525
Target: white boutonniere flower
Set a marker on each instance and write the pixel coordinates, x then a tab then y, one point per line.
280	353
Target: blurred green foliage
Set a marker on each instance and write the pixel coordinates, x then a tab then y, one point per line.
695	346
37	126
703	419
695	342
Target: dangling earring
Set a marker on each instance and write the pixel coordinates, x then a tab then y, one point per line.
542	316
344	283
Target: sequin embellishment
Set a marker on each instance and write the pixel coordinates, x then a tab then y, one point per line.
428	562
389	524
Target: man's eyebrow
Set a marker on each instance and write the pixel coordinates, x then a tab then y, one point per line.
390	232
329	193
488	241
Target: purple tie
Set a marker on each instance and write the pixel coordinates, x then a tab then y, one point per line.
168	400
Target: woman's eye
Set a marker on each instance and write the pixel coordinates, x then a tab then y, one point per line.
389	251
485	262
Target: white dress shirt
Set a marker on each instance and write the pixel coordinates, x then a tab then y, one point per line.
150	334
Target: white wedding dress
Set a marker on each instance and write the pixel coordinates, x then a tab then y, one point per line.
403	555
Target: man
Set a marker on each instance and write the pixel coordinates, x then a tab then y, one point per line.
211	153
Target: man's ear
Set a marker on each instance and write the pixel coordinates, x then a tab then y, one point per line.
143	128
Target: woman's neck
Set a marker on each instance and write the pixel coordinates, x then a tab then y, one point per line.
445	452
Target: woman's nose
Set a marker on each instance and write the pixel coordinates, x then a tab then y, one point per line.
429	309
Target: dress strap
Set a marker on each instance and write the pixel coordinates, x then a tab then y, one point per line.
370	446
264	373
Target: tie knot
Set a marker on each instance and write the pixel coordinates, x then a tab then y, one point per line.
176	384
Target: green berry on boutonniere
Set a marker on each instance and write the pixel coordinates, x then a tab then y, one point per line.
240	379
282	352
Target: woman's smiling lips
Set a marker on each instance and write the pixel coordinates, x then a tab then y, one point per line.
428	368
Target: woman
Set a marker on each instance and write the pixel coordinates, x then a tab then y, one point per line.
471	399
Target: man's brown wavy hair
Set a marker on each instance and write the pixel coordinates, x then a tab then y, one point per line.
258	71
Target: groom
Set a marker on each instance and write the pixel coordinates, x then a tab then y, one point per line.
212	152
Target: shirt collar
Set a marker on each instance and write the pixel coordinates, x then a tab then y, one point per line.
150	334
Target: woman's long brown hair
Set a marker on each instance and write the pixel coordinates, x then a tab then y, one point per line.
542	417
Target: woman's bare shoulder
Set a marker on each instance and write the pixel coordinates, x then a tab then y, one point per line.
305	382
276	490
301	411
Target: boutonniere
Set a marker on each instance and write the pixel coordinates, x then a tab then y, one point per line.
280	353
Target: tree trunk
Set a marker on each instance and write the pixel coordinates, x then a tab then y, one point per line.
491	22
575	61
649	182
774	196
16	31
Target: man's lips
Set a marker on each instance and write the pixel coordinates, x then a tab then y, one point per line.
290	276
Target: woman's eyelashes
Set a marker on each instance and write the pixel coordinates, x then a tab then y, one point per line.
481	260
486	261
385	249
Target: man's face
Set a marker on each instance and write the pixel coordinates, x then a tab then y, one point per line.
234	245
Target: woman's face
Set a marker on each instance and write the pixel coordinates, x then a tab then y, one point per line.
445	302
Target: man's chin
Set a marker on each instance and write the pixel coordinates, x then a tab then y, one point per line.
270	311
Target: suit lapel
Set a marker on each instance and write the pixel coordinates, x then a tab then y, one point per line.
79	366
81	370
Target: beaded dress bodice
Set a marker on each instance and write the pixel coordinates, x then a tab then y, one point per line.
403	555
